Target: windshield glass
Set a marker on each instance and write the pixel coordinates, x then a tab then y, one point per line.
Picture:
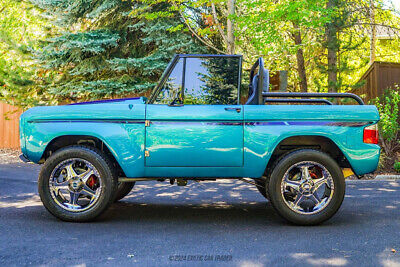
200	80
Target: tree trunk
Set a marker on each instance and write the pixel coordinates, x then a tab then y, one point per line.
332	46
332	70
301	68
230	28
373	33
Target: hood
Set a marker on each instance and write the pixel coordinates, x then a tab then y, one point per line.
120	109
135	99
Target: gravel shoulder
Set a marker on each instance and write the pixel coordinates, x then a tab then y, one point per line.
8	156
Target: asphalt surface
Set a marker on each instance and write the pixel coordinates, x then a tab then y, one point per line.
214	223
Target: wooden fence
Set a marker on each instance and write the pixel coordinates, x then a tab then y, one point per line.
379	77
9	126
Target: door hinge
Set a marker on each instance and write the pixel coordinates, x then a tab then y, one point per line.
146	153
147	123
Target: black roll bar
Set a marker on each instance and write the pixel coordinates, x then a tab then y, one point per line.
288	100
309	95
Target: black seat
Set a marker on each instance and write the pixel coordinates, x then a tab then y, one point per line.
253	89
259	83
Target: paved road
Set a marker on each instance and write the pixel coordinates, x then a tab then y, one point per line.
224	223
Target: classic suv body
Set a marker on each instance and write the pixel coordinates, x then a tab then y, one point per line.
199	140
194	127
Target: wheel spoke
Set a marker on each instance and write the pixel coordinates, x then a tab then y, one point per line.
70	170
300	194
315	198
319	182
88	191
74	196
69	185
305	174
61	187
292	184
62	184
85	176
298	200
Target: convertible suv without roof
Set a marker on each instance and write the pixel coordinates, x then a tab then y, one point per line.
199	124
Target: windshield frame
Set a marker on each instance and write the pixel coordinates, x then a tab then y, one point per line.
174	61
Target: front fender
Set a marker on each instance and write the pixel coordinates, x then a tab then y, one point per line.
125	141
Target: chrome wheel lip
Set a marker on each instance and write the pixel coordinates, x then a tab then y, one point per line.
74	186
307	189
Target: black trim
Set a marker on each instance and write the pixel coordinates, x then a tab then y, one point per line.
207	122
216	122
89	121
332	95
205	55
183	81
172	65
104	101
307	123
163	78
288	100
240	78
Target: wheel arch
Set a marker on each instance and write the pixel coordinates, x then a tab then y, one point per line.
317	142
85	140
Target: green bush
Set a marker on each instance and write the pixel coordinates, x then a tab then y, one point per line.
388	106
396	166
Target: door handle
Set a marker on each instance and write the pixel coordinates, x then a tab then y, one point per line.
234	109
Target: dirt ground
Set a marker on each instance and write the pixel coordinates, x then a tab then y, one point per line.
8	156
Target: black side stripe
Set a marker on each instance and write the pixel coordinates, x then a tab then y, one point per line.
308	123
89	121
208	122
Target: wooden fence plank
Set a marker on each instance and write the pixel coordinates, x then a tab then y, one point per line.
9	126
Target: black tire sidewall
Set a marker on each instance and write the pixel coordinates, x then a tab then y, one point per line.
261	186
107	176
275	187
123	190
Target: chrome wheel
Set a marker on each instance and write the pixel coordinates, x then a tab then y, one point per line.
307	187
75	185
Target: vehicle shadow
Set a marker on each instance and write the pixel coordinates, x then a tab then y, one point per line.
226	202
258	213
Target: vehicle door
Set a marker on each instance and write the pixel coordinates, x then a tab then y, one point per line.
196	119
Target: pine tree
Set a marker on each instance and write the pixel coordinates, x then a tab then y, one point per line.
111	48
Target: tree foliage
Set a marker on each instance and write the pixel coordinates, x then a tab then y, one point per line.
111	48
268	28
22	30
114	48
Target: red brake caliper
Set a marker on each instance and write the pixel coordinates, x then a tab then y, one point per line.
92	181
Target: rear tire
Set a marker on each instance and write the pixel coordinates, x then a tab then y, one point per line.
296	195
123	189
77	183
262	187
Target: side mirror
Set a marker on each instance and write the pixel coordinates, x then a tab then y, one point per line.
177	98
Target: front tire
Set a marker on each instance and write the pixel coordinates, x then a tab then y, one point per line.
77	183
306	187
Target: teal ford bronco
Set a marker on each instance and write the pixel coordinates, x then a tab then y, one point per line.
198	124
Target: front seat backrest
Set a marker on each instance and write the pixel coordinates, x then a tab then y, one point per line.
252	100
